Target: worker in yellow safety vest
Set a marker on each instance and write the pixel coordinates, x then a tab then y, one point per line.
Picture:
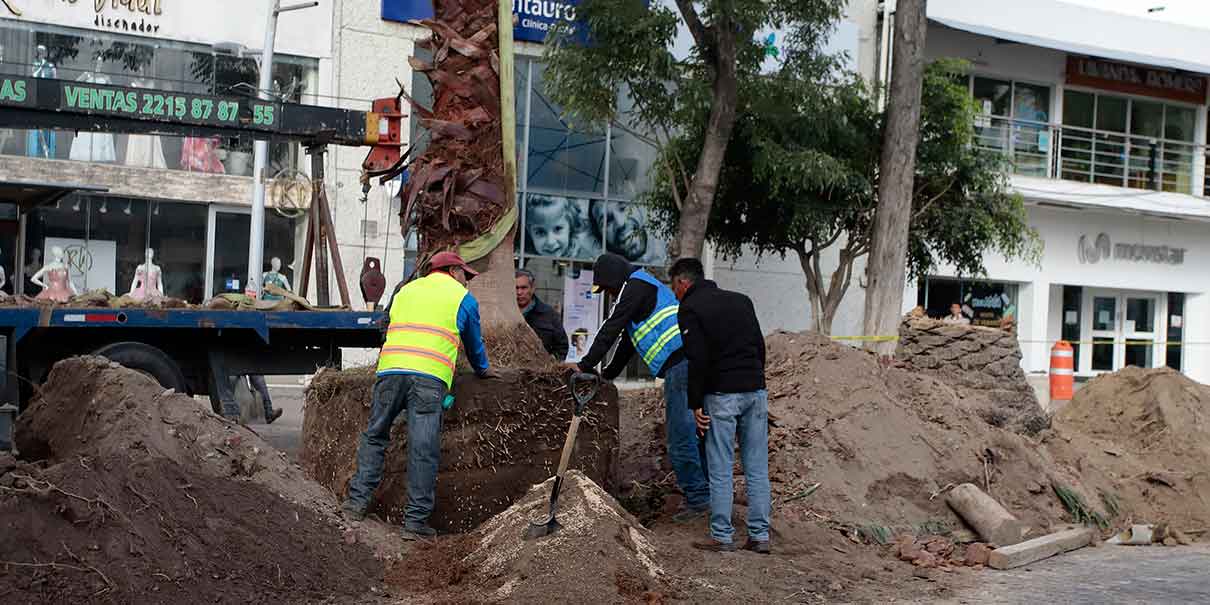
428	318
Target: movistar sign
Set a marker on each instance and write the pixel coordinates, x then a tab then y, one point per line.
534	17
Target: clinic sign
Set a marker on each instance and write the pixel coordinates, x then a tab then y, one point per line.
1135	79
533	17
1099	249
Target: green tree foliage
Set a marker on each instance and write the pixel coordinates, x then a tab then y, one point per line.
801	176
629	50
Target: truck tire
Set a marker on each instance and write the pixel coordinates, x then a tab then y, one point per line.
148	360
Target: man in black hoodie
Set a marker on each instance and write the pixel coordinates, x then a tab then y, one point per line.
645	310
726	352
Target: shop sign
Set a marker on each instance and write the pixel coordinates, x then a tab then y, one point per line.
533	17
1133	79
1092	251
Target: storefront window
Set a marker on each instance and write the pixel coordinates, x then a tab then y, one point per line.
117	241
984	303
1073	302
178	236
561	158
1176	330
47	51
1014	120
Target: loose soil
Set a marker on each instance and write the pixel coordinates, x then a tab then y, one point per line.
130	493
501	437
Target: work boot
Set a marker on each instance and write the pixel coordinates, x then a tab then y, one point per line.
273	415
715	546
351	512
688	514
418	532
757	546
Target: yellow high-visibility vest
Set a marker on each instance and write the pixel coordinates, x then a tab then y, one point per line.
423	332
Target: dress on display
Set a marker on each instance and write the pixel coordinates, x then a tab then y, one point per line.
147	284
93	146
41	143
144	150
201	155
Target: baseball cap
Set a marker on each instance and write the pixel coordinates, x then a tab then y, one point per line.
451	259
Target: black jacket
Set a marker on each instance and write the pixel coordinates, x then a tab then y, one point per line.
722	340
635	302
549	327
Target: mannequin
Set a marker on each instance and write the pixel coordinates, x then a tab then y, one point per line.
275	277
144	150
59	289
93	146
148	282
41	143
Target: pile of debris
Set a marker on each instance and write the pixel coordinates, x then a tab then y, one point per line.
126	490
599	555
500	437
982	365
1142	436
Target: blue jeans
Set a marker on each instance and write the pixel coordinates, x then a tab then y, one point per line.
745	415
683	452
421	396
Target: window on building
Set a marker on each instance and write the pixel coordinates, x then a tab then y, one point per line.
984	303
178	234
1127	142
1073	300
1176	331
48	51
1014	120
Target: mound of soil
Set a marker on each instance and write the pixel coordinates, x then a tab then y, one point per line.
600	554
885	441
1144	436
130	493
500	437
982	365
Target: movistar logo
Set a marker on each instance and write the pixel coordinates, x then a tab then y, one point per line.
1093	251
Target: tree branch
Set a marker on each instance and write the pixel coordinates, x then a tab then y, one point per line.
700	34
926	205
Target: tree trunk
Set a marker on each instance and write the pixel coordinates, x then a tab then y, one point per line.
826	299
695	212
888	253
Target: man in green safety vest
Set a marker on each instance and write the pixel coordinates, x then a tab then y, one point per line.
645	310
428	318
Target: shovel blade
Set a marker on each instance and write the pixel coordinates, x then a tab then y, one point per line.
539	529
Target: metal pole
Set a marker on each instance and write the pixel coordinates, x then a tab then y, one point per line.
260	151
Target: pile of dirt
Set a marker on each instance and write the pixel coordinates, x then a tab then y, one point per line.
600	554
500	437
884	442
982	365
127	492
1143	435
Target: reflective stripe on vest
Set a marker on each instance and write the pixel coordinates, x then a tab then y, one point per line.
658	336
423	333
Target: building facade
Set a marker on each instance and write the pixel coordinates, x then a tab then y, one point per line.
186	198
1108	146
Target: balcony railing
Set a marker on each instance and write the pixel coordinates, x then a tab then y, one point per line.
1094	156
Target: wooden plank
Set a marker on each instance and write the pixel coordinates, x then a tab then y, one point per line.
1040	548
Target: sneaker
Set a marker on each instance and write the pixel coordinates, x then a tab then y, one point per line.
274	415
757	546
351	513
418	532
687	514
715	546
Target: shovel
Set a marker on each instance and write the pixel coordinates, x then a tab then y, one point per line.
549	524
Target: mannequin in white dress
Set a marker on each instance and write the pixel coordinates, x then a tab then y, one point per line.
148	282
144	150
93	146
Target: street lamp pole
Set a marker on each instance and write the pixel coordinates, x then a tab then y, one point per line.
260	151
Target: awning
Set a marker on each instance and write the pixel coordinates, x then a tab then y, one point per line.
1077	195
30	194
1080	30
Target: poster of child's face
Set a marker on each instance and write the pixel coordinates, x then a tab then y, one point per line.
624	229
558	226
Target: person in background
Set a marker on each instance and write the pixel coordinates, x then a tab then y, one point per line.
257	382
643	321
540	316
725	349
956	316
428	318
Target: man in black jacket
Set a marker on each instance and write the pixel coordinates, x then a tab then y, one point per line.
643	321
540	316
726	352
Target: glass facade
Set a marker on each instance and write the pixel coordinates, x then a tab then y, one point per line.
985	303
104	239
47	51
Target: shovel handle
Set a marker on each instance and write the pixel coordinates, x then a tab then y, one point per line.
578	378
567	445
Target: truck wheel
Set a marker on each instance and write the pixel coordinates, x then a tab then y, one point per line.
148	360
